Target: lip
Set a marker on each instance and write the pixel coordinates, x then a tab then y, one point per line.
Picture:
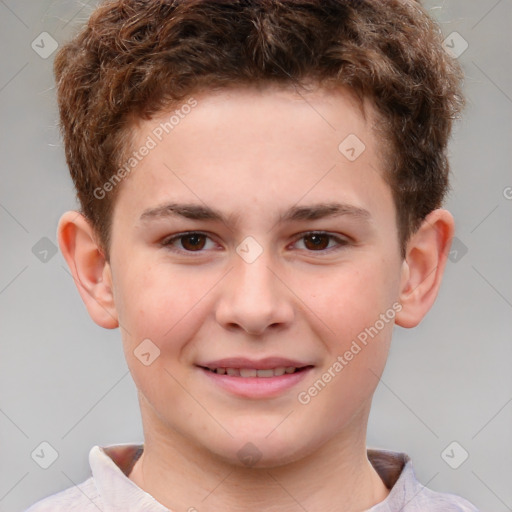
260	364
255	387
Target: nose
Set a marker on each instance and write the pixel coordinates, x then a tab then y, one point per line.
254	298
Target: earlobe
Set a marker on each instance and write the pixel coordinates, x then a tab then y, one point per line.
89	268
423	267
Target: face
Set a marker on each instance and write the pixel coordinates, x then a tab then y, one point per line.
255	236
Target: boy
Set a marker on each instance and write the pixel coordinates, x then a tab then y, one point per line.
260	186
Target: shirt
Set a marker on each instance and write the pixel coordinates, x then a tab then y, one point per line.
110	490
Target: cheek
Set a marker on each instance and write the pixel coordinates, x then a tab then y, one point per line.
163	308
353	297
161	304
356	325
355	319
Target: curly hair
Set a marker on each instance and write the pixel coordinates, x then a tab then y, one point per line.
136	58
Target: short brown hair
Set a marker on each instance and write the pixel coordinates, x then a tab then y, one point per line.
136	58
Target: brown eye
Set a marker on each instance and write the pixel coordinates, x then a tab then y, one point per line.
193	242
321	242
316	241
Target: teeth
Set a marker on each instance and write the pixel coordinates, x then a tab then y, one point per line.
265	373
249	372
252	372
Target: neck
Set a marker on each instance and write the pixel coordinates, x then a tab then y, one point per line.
182	476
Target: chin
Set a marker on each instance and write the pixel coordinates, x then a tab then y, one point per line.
260	452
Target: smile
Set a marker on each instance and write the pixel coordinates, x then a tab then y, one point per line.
253	372
255	383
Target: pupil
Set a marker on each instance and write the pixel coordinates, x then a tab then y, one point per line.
196	242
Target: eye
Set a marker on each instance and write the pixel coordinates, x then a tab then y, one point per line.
195	241
191	241
320	241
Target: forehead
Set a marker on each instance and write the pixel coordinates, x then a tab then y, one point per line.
309	111
238	147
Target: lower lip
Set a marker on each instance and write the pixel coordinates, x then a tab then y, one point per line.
257	387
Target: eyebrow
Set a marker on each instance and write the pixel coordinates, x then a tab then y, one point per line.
295	213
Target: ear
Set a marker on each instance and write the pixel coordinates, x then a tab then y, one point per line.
423	267
89	268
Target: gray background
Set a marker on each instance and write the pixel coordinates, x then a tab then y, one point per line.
64	380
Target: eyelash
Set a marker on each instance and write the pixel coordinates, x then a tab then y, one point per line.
167	243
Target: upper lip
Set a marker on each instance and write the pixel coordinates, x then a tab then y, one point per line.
260	364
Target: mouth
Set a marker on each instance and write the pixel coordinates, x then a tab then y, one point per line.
246	378
263	373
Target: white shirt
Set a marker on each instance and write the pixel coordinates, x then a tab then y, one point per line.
109	489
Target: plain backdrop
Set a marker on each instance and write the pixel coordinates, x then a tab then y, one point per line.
446	393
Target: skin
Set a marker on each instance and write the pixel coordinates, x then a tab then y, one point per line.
252	154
